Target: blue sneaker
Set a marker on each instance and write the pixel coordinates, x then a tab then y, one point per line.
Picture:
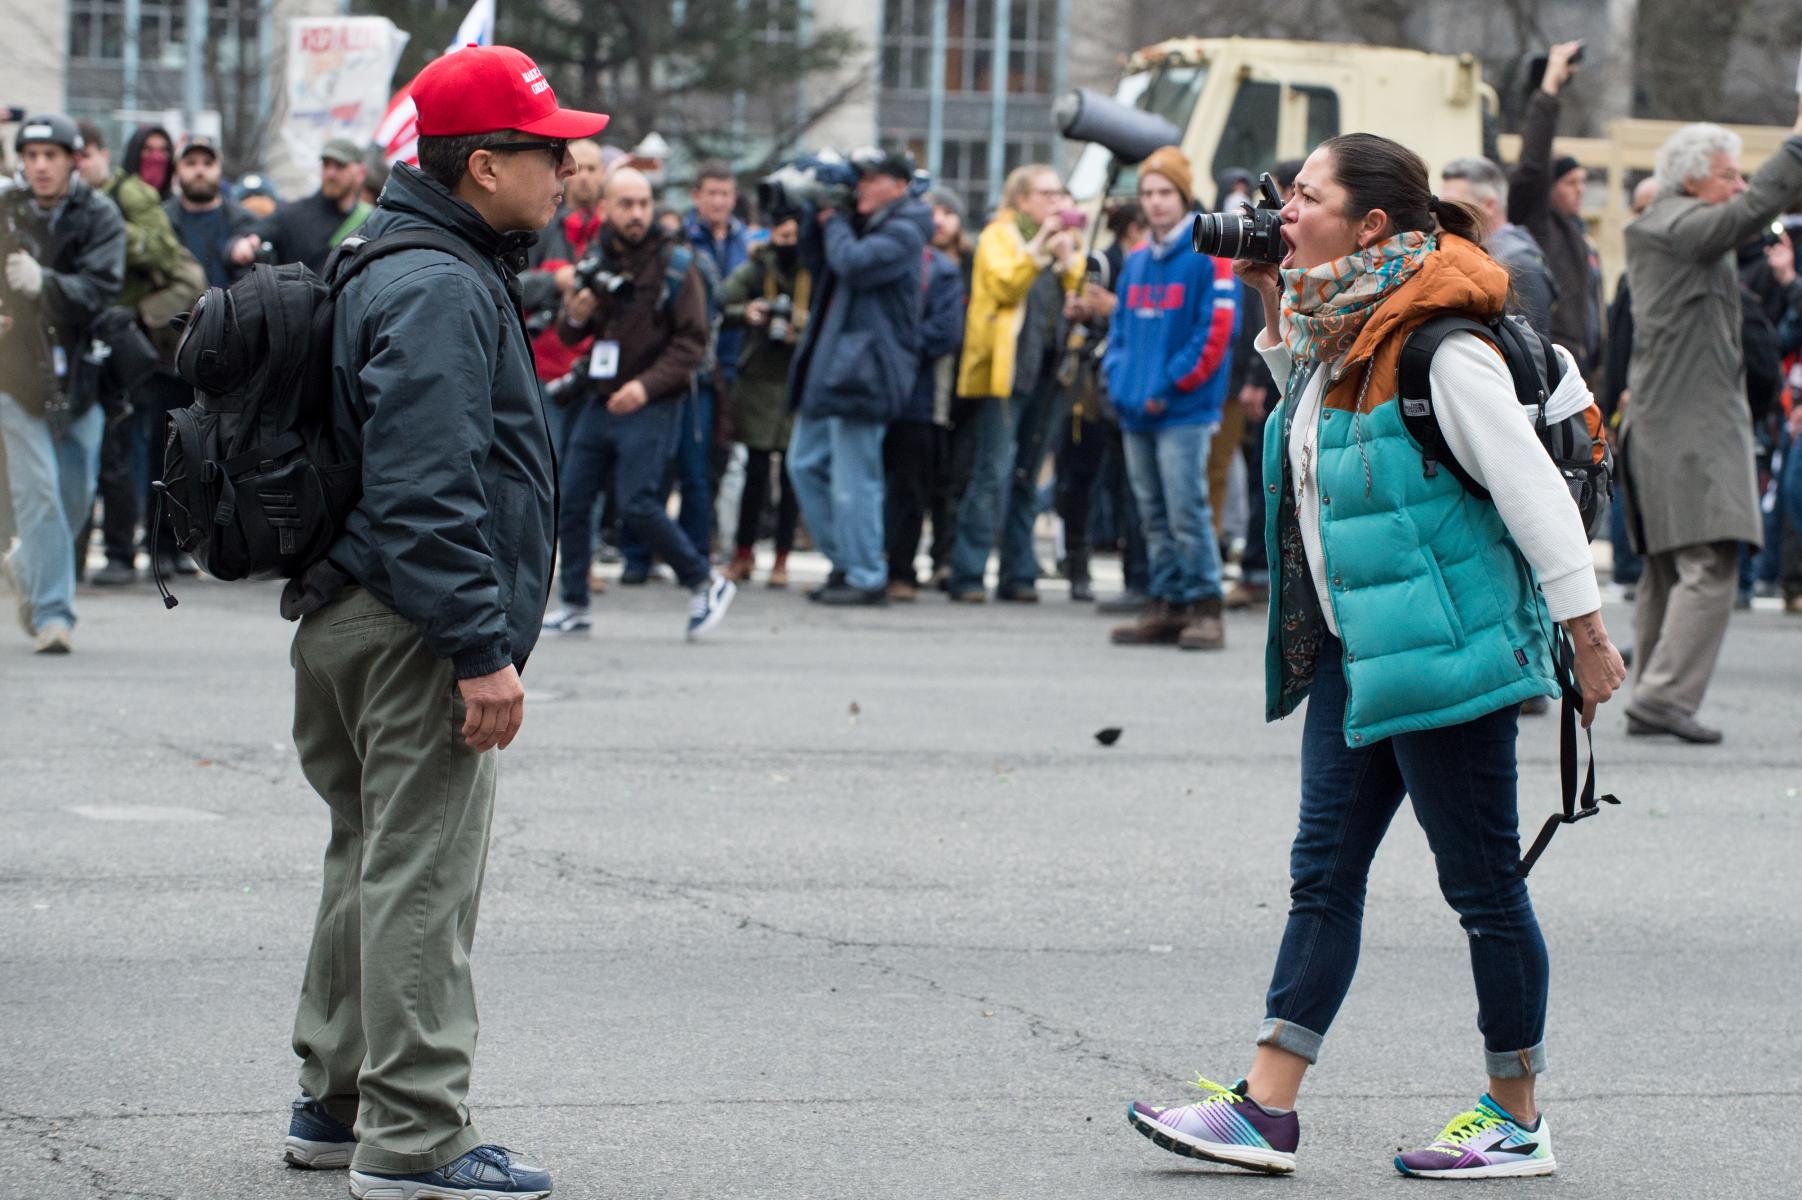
708	603
485	1173
317	1141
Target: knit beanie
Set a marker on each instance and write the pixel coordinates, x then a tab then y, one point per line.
1173	165
1563	165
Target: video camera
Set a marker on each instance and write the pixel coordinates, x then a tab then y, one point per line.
815	181
592	273
1253	234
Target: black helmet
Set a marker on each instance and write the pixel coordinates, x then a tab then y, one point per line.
54	128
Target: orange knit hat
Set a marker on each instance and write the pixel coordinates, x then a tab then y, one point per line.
1173	165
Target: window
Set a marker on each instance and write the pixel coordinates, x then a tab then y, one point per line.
1323	114
1249	139
1030	51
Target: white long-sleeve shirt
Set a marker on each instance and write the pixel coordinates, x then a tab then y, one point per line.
1491	435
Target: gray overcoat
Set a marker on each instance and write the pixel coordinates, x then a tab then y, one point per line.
1687	435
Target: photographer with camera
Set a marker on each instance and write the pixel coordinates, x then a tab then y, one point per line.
1545	196
765	301
1027	261
856	367
1413	617
640	297
63	249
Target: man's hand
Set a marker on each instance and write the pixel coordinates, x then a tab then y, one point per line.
1252	398
580	306
757	312
1599	669
495	708
1558	69
24	275
1075	307
826	215
1782	257
565	278
244	250
628	399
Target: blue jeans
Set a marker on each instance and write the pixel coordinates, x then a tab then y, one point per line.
1169	473
1628	566
52	480
1462	781
628	453
1003	494
1789	490
694	480
835	465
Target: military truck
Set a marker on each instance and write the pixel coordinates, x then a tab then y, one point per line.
1248	103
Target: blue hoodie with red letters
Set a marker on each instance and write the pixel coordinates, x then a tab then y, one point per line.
1170	342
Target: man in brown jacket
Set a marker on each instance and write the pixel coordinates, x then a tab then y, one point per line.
649	339
1686	441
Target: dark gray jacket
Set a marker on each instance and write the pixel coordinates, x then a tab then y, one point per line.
1530	287
83	258
455	526
861	349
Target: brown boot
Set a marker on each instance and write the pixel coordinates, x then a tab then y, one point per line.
901	591
1204	630
1160	624
1247	595
743	563
779	573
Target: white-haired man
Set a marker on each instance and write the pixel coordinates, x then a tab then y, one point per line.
1686	441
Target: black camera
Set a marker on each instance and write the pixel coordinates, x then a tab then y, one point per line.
592	273
815	181
1252	234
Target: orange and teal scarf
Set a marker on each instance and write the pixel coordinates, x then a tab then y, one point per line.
1325	307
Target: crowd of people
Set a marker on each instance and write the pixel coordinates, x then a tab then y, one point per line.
855	368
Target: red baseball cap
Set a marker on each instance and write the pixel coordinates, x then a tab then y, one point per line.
483	89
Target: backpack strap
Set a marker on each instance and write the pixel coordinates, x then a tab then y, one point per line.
353	255
675	272
1415	380
1578	803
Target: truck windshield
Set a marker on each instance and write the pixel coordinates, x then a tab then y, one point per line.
1170	92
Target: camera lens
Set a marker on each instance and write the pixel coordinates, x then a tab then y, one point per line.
1220	234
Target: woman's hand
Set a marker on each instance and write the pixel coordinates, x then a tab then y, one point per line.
1267	280
1599	669
1261	277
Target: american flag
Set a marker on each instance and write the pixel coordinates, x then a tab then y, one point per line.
398	133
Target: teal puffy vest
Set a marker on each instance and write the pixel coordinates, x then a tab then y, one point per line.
1438	611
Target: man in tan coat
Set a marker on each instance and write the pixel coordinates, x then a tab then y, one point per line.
1687	437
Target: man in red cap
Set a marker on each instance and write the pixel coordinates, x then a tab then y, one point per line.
414	630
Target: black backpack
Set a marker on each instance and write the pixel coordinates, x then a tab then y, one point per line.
1579	451
262	470
1576	444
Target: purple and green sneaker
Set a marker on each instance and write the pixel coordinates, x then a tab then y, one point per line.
1224	1126
1484	1143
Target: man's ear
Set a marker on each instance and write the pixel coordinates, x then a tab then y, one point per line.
480	171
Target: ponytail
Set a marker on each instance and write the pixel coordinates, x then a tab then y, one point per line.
1458	217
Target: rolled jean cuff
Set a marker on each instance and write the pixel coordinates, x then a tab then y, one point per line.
1287	1035
1515	1064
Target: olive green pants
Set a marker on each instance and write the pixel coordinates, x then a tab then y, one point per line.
386	1029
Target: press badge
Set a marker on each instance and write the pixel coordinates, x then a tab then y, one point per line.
603	360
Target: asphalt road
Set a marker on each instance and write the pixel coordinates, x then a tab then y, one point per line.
852	904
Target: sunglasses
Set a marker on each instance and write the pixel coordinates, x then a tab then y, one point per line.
555	147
